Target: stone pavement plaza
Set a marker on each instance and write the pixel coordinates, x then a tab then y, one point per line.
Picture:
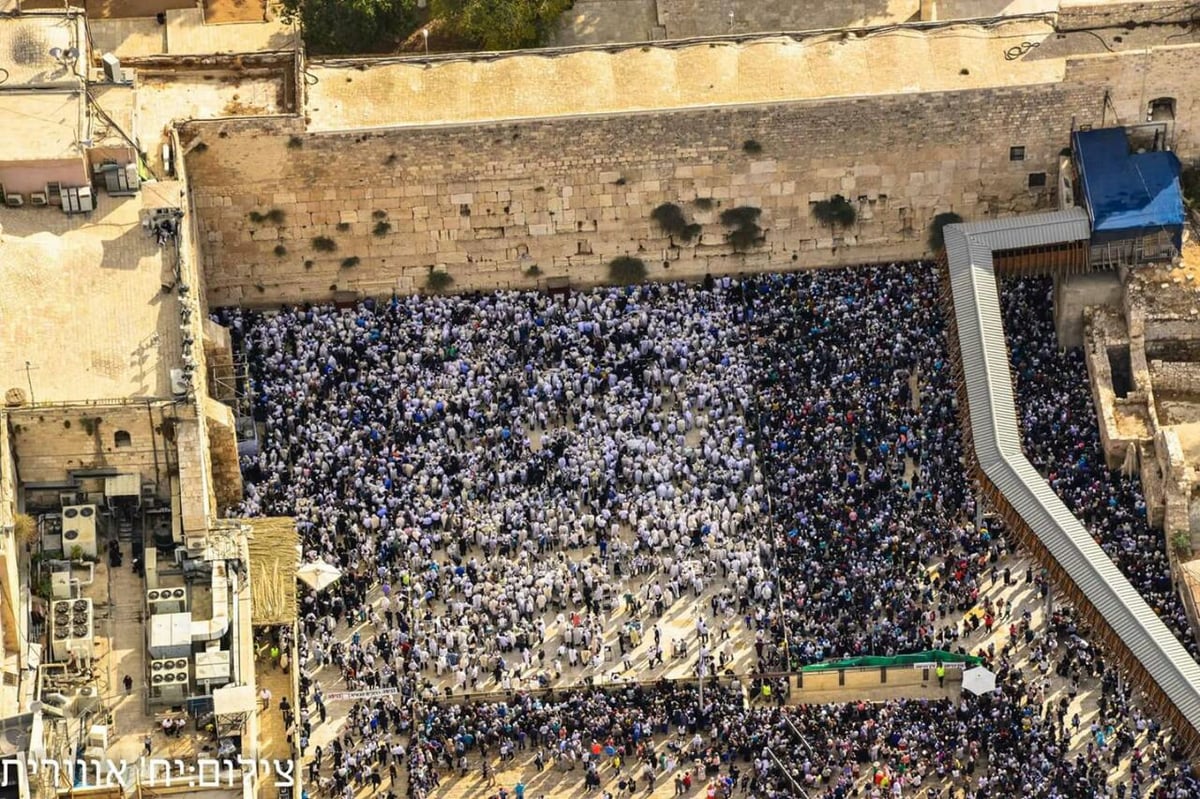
554	782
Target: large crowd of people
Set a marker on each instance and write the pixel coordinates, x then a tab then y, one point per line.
521	491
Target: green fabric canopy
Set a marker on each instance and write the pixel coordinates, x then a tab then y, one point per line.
928	656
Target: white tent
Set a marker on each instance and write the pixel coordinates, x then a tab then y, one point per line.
318	575
979	681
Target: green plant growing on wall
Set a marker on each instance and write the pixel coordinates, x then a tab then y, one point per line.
533	271
382	228
670	219
438	280
751	147
280	251
343	227
703	203
626	270
295	143
937	239
324	244
746	233
77	553
379	214
835	212
351	262
1182	541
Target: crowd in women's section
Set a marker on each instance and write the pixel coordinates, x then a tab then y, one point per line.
510	468
1062	440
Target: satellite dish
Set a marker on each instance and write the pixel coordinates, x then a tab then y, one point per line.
56	53
71	53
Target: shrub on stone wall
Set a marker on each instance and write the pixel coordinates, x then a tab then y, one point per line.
351	262
669	217
835	212
746	233
936	229
626	270
382	228
324	244
438	280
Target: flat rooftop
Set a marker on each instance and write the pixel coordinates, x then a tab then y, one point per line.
26	43
42	125
644	77
83	302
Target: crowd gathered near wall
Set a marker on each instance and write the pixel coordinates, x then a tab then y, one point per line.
526	494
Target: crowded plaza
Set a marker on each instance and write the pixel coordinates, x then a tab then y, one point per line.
584	539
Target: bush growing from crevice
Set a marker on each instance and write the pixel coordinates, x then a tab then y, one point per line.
937	238
382	228
746	233
837	211
343	227
351	261
626	270
751	147
703	203
438	280
669	217
324	244
280	251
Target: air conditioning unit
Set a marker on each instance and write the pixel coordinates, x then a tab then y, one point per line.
13	200
195	544
166	600
71	629
38	199
179	383
78	200
87	699
79	529
168	679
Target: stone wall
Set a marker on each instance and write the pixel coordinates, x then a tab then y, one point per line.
1175	376
682	19
1085	14
568	195
49	443
488	202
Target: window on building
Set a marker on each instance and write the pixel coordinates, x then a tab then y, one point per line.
1161	109
1037	180
1016	153
122	439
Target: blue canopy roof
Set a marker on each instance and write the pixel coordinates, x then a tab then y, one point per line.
1124	190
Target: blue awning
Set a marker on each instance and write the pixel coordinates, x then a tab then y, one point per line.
1124	191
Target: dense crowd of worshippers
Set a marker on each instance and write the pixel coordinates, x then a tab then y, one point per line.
497	476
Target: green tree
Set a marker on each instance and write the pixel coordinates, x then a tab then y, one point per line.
501	24
351	26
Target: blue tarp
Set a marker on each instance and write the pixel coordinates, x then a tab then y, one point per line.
1134	193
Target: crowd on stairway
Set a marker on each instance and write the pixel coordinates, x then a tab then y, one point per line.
525	492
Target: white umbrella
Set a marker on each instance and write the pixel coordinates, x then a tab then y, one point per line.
979	681
318	575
